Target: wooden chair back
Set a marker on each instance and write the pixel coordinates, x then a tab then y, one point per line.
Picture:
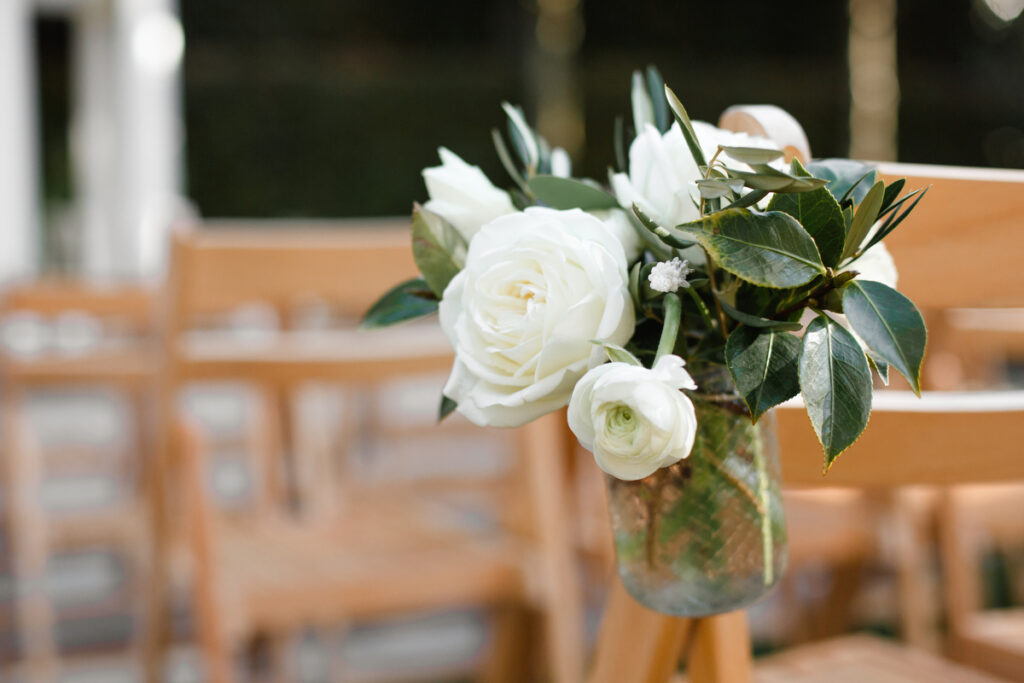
226	264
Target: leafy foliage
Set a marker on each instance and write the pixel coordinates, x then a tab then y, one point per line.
836	385
763	364
819	213
439	249
412	299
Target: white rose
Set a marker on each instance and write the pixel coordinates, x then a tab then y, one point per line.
632	419
538	286
663	174
619	224
462	195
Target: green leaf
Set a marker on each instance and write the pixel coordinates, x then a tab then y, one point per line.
522	136
567	193
711	188
684	123
616	353
863	219
756	320
819	213
506	159
880	367
439	249
889	324
892	190
769	249
763	364
656	88
752	155
846	177
749	199
663	233
836	384
773	180
894	219
412	299
619	138
446	408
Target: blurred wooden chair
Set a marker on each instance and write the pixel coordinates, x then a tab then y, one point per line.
356	552
958	250
66	334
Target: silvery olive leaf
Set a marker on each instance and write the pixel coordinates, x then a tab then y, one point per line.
752	155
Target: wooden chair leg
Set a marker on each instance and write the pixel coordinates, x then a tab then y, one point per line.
721	650
636	643
26	520
544	446
508	660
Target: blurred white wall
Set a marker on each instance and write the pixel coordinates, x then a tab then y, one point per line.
19	188
126	137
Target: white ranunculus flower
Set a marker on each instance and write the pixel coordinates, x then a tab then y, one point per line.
538	286
632	419
662	172
619	224
462	195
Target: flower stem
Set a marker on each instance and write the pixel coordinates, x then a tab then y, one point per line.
670	330
767	543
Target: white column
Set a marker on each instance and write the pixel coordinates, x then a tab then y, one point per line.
94	137
149	45
19	181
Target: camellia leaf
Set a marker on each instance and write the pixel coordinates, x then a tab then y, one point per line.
446	408
763	364
846	178
568	193
836	385
439	249
863	219
880	367
819	213
769	249
412	299
889	324
752	155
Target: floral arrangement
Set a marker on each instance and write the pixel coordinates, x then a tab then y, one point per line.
705	251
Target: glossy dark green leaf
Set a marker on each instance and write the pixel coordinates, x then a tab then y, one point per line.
889	324
836	385
768	249
412	299
895	218
568	193
892	191
684	123
819	213
439	249
763	364
863	219
756	320
880	367
446	408
844	174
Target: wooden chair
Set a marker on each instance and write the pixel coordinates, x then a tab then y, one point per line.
383	550
116	353
970	225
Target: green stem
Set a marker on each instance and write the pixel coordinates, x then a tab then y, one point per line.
673	309
767	544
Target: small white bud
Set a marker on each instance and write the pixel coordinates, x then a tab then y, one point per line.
668	276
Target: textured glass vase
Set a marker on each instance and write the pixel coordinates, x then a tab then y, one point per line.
705	535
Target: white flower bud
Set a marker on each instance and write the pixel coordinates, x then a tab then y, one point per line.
669	276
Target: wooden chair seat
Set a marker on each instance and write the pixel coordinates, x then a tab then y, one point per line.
993	640
280	574
117	365
860	658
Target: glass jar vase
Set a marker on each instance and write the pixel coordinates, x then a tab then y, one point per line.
707	534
